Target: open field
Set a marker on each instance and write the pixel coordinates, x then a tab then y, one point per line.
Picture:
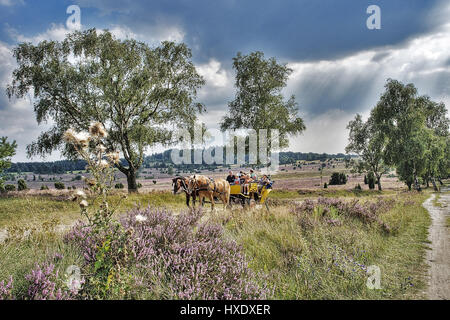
321	254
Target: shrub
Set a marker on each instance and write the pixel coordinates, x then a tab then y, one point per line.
6	290
367	212
154	181
358	187
59	185
365	179
21	185
174	256
44	187
42	284
338	178
139	185
119	185
371	180
10	187
325	185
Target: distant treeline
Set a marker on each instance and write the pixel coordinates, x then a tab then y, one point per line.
162	160
157	160
52	167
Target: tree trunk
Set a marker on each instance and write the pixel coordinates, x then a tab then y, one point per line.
379	182
440	181
416	183
131	180
409	185
434	184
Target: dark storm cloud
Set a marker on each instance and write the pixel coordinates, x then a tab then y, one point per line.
289	29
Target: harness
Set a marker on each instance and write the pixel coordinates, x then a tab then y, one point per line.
183	184
207	188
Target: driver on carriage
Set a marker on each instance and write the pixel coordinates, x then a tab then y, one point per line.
231	178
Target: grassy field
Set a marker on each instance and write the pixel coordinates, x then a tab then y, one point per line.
300	256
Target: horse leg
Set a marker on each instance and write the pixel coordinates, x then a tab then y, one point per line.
193	199
211	198
187	199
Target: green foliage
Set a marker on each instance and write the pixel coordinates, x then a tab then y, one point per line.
119	185
370	144
10	187
416	130
59	185
44	187
141	92
325	185
371	180
338	178
21	185
259	103
7	150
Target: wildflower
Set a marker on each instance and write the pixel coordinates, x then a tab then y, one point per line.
89	182
101	148
82	138
113	157
103	164
97	129
69	135
140	218
83	204
81	194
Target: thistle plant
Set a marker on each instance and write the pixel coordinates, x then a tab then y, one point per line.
100	163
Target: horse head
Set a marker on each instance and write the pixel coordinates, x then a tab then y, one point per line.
178	183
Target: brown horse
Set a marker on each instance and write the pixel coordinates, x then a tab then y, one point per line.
181	183
209	188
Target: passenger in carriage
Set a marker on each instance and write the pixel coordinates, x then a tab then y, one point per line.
264	181
253	176
231	178
244	180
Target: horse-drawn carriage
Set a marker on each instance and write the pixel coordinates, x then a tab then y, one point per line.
256	192
202	187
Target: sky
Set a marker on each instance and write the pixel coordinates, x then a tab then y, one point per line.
339	65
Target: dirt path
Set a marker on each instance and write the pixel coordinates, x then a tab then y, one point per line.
439	256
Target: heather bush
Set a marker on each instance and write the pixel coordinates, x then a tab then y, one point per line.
6	289
172	256
43	284
333	207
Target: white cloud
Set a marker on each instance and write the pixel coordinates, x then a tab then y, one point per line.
56	32
329	92
10	3
354	83
324	133
155	34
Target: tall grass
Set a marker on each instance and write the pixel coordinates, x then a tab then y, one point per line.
322	254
